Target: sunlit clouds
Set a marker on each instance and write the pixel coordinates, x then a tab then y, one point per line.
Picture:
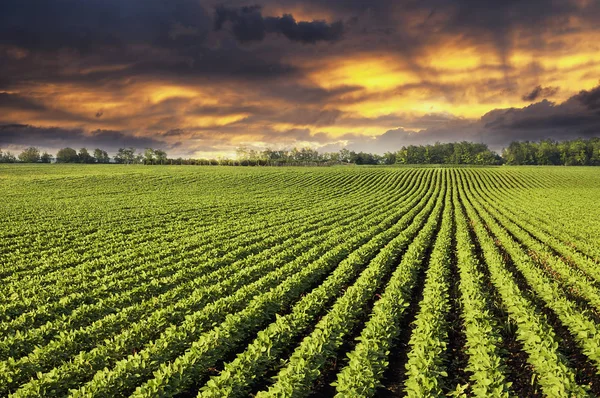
200	77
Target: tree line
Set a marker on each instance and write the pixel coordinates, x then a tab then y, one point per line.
70	155
452	153
577	152
545	152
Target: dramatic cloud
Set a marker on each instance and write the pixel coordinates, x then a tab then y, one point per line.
540	92
578	117
200	77
15	101
248	24
55	138
590	99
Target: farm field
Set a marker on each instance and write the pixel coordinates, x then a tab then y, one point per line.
155	281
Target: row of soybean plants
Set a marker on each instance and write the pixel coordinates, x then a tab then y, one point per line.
572	266
146	230
568	234
128	277
203	241
323	342
550	277
143	332
554	373
558	207
212	344
363	373
160	293
427	356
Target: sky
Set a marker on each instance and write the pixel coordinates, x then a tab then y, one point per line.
199	78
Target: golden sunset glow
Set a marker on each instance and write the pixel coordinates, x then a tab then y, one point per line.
377	73
329	76
161	93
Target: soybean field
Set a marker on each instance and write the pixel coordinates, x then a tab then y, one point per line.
185	281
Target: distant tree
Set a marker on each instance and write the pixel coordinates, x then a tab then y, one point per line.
253	155
30	155
578	152
488	158
366	158
389	158
125	155
85	157
7	157
547	153
345	155
67	155
149	156
333	157
241	153
521	153
46	157
441	153
101	156
595	151
451	153
160	156
411	154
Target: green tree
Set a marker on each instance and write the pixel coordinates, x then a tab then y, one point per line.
595	151
389	158
149	156
85	157
7	157
46	157
30	155
161	156
578	152
547	153
241	153
345	155
67	155
125	155
519	153
101	156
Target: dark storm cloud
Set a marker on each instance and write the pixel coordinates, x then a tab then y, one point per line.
174	133
170	38
133	52
55	137
92	24
248	24
590	99
540	92
16	101
426	121
296	115
574	118
499	21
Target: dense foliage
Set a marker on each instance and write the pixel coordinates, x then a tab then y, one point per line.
547	152
578	152
452	153
30	155
229	282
